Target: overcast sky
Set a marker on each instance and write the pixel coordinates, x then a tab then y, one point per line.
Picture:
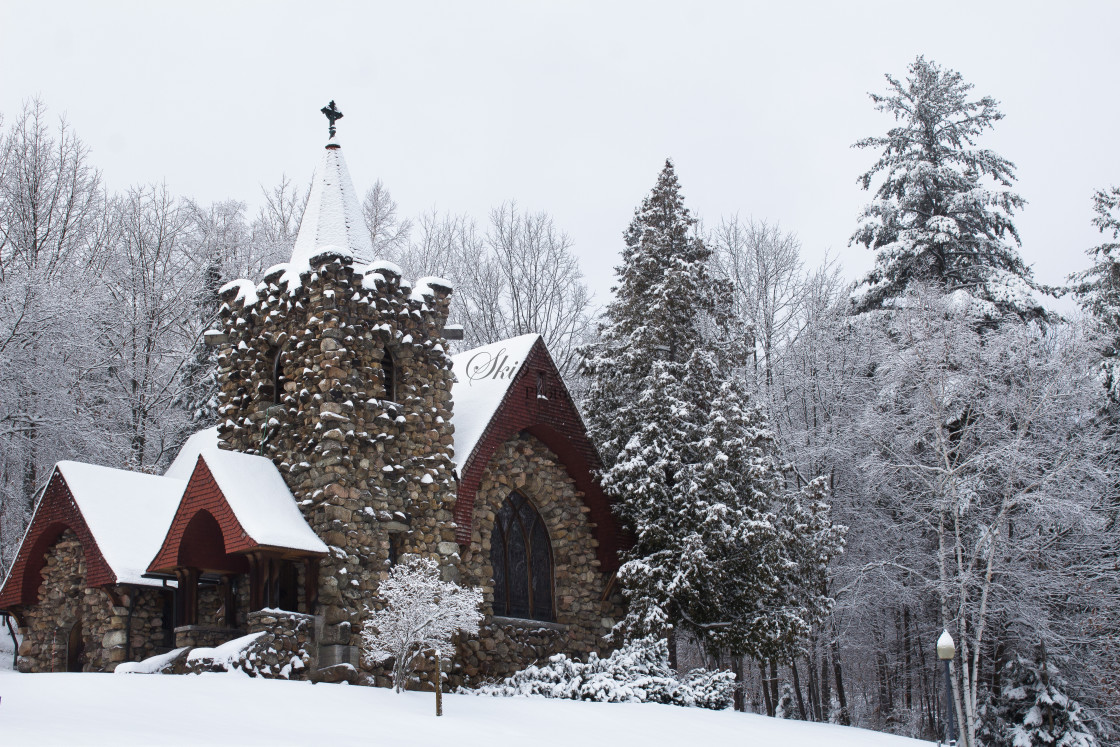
572	107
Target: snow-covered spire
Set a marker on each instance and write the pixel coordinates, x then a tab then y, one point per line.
333	216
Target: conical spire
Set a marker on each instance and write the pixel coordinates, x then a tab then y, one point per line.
333	216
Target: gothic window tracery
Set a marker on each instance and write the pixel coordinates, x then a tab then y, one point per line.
521	557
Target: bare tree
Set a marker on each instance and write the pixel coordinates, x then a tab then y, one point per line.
150	324
519	277
764	265
52	236
388	233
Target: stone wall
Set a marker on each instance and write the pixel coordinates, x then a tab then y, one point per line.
64	599
284	652
147	622
361	466
583	615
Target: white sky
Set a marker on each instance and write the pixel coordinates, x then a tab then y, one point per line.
572	107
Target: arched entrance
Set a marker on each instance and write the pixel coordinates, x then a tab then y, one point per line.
75	647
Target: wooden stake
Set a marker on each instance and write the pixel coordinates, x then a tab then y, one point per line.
439	686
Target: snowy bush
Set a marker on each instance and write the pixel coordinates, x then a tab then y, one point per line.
421	612
639	672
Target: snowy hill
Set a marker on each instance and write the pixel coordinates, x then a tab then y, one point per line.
222	709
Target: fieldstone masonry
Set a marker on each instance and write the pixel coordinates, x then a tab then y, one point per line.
103	614
585	611
339	373
305	383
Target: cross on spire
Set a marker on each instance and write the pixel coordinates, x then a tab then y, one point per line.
333	115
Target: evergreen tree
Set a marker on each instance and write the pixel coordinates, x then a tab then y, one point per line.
1099	287
1033	709
689	457
666	305
943	211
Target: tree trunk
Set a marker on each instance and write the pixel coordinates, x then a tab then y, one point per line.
797	690
826	690
907	686
774	683
740	698
845	717
770	709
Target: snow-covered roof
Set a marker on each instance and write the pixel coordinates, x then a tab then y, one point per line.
483	376
128	513
260	500
184	462
333	216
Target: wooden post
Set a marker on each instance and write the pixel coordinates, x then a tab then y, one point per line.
311	585
439	685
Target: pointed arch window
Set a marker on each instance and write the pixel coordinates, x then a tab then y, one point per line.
274	392
391	374
521	556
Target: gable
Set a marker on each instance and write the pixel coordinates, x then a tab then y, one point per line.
532	399
57	511
247	498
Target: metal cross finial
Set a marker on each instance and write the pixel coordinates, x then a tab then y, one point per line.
333	115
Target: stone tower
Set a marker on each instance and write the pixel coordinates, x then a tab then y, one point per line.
338	371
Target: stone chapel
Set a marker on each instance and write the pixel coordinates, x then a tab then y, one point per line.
349	438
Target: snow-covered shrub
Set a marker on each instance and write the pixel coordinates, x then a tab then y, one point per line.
421	612
639	672
1033	709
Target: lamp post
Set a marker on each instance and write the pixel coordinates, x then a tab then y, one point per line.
946	650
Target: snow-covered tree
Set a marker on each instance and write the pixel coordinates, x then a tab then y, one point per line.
1034	708
53	229
418	612
667	304
1099	287
944	206
388	232
689	454
982	456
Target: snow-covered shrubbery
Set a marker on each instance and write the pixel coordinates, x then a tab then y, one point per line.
639	672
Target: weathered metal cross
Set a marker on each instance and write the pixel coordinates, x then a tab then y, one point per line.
333	115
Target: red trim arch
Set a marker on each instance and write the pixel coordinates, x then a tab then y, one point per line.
202	495
56	513
538	402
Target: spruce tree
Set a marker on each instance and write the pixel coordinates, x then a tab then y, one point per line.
943	210
1033	710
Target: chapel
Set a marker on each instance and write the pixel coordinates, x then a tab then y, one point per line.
349	438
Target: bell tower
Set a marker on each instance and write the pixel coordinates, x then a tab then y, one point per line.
337	369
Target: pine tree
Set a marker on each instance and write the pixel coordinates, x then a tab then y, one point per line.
1033	709
1099	287
943	212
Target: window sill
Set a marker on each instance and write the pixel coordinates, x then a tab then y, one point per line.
522	622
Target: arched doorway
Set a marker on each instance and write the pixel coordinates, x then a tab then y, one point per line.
75	647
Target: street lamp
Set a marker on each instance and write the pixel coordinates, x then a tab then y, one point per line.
946	650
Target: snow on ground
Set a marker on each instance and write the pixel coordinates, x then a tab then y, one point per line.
230	709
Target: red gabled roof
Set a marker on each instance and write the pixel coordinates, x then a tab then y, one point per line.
202	494
554	420
56	512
